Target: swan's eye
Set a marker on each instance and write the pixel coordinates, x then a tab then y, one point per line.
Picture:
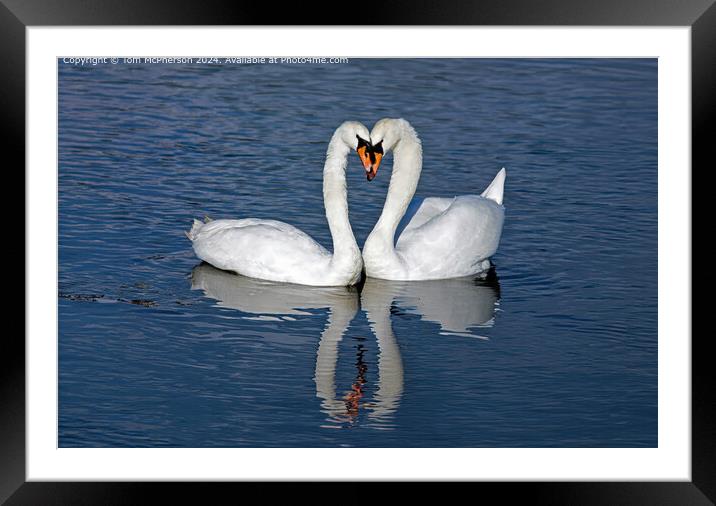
362	142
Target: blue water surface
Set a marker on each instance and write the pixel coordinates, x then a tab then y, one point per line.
556	348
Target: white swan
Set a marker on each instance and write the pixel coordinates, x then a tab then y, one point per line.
276	251
442	237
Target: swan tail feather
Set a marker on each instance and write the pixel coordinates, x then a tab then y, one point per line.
196	226
497	188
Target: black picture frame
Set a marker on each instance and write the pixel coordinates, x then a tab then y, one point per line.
16	15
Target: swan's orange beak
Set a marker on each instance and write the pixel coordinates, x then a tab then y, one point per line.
375	155
370	158
363	155
374	162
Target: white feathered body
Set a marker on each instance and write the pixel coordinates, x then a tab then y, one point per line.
450	238
445	238
441	237
270	250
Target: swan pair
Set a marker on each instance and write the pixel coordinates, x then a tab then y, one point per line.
441	237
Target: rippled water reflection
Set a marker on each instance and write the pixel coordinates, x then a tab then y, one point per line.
456	305
556	347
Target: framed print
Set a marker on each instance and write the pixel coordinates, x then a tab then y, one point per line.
485	277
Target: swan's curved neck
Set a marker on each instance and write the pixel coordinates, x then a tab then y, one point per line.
407	165
335	200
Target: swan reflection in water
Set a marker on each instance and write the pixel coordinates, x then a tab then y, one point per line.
458	306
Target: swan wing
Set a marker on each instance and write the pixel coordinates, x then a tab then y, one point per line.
420	211
456	242
265	249
496	189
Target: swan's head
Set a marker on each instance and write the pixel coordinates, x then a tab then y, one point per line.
370	154
385	136
357	137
